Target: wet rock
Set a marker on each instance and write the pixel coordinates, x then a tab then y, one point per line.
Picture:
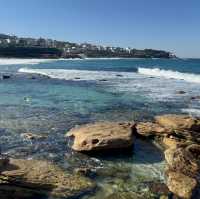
125	195
180	122
187	135
6	76
102	136
32	178
4	161
151	129
158	188
130	195
33	77
122	173
89	172
163	197
185	160
181	185
31	136
119	75
172	142
181	92
195	98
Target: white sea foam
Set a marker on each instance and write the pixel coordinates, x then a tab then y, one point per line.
78	74
12	61
156	72
103	58
157	89
192	111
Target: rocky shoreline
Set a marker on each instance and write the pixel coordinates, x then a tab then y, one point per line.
177	135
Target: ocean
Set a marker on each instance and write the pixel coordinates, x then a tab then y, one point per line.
66	93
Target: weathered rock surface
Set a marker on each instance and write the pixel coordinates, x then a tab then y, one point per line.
172	142
22	179
179	122
183	175
181	185
151	129
185	160
102	136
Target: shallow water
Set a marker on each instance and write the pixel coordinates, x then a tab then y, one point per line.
82	91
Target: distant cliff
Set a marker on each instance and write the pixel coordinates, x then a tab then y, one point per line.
12	46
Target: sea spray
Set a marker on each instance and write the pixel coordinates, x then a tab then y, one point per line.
156	72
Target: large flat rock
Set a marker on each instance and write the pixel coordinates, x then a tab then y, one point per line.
103	136
179	122
32	178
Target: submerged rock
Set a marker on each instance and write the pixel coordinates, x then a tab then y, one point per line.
126	195
119	75
31	136
195	98
181	92
4	161
6	76
32	178
179	122
103	136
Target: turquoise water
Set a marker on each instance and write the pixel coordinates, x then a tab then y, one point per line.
82	91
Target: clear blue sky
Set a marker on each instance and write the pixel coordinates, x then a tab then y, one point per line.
161	24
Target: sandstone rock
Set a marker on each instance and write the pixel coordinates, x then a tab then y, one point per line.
181	122
151	129
172	142
181	185
25	178
185	160
102	136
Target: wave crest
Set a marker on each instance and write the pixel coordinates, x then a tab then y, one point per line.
17	61
156	72
78	74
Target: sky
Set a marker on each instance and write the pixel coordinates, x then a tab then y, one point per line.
172	25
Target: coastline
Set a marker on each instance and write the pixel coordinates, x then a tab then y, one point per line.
37	111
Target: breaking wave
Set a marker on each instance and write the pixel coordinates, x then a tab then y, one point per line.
156	72
78	74
12	61
192	111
